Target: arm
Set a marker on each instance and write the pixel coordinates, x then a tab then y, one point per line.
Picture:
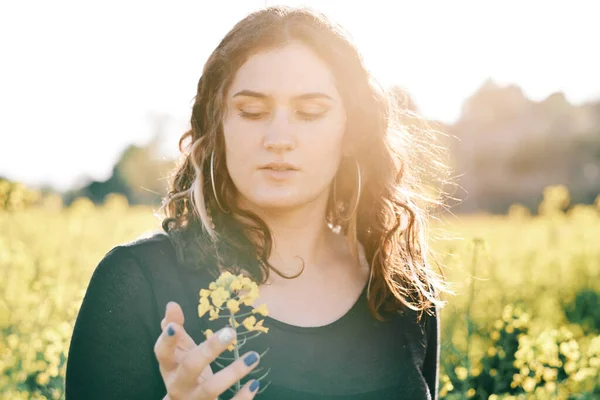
111	354
431	364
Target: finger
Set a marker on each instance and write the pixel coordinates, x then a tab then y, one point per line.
173	313
197	359
248	391
226	377
164	348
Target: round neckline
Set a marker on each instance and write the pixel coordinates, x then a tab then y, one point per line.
320	328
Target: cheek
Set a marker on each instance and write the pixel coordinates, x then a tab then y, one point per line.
240	141
324	142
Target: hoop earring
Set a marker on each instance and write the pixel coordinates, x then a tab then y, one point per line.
212	180
357	193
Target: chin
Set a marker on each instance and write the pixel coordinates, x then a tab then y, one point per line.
273	200
276	203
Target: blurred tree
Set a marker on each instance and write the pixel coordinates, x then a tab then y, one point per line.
511	148
140	174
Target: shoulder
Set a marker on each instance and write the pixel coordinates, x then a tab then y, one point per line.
154	245
138	255
147	242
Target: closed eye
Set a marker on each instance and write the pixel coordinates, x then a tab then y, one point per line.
310	116
248	115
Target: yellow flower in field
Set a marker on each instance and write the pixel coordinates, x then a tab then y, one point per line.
208	333
262	310
529	384
204	293
249	323
233	305
204	306
212	286
550	386
550	374
461	373
570	367
219	296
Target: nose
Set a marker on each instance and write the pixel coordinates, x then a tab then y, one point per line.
280	134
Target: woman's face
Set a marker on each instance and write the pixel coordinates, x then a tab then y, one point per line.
283	129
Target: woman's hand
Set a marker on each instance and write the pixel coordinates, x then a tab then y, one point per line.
185	366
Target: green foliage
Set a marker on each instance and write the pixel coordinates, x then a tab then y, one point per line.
584	310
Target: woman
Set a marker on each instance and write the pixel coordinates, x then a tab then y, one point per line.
297	175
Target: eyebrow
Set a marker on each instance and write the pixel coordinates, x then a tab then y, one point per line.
304	96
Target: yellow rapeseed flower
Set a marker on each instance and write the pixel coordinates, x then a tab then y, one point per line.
214	314
259	327
224	280
262	310
236	284
208	333
248	298
204	306
550	386
233	306
249	323
231	347
219	296
461	373
550	374
204	293
529	384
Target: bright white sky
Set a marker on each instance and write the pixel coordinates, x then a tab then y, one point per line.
78	79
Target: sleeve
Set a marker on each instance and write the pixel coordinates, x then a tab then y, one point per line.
111	354
431	364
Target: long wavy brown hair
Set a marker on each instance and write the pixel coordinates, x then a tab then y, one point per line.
397	165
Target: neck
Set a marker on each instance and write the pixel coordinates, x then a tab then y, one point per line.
301	232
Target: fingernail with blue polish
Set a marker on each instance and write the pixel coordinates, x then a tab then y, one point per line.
170	330
254	386
250	359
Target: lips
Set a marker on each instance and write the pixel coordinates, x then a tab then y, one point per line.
280	166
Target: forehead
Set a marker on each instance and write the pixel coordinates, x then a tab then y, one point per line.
285	71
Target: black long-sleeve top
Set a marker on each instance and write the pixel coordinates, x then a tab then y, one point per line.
111	354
